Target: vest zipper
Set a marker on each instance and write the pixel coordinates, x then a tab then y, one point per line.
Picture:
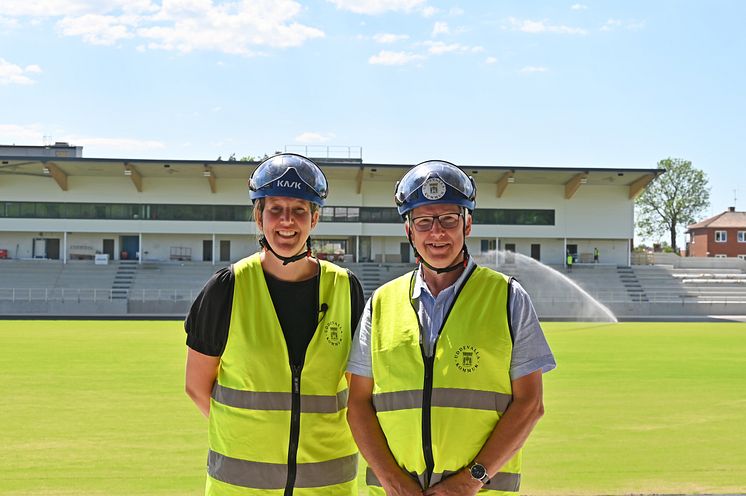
427	393
294	429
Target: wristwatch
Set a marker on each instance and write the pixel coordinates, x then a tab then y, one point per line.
478	472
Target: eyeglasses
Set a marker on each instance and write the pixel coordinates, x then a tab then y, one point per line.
446	221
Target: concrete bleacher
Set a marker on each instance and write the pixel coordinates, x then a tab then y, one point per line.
168	288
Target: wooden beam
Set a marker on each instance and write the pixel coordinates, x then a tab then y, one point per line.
210	175
635	189
359	180
57	174
129	170
503	182
572	186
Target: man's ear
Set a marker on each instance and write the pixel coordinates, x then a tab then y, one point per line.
406	227
467	227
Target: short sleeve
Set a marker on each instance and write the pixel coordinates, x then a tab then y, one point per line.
357	300
209	317
530	348
360	362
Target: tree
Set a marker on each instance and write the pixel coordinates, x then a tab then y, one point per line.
675	199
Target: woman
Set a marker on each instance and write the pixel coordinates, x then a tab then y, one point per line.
268	340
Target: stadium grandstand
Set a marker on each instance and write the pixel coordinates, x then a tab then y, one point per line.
117	236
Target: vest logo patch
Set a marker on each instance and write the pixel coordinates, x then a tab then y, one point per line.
333	333
434	188
466	358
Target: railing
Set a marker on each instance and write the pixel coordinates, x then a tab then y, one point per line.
95	294
57	294
175	294
606	297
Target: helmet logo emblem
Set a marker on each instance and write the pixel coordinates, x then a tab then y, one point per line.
434	189
288	184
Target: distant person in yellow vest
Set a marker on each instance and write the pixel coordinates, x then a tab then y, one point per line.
595	255
268	341
447	362
569	261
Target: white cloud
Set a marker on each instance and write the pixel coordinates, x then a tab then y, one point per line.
529	69
579	6
128	145
312	137
529	26
232	26
429	11
8	23
22	133
385	57
440	28
373	7
439	48
456	11
97	29
389	38
490	60
613	24
15	74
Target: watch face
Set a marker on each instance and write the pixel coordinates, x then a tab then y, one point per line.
478	471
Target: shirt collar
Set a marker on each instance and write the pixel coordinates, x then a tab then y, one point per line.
420	285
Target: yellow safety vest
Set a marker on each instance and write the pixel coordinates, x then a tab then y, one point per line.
274	430
437	412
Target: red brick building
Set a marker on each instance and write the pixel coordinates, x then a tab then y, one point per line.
723	235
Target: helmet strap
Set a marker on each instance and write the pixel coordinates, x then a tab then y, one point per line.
287	260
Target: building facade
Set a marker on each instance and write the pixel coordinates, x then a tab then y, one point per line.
720	236
70	207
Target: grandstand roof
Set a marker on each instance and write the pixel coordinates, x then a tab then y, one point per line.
113	167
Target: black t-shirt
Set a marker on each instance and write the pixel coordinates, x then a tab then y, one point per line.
296	306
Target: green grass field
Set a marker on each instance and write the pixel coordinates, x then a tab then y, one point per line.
97	408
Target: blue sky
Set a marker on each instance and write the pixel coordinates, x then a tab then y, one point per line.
587	83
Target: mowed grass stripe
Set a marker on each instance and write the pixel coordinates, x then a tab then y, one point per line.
97	407
642	408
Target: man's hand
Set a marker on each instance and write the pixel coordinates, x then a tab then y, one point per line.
402	485
459	484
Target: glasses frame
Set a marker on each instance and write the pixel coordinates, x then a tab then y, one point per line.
434	218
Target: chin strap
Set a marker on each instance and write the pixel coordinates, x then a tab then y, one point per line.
286	260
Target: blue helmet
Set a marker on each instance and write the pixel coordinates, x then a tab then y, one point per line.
288	174
435	181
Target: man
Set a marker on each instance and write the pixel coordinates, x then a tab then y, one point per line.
446	370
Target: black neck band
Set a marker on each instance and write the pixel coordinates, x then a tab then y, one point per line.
287	260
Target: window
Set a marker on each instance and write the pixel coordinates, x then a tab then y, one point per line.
742	236
742	257
720	255
721	236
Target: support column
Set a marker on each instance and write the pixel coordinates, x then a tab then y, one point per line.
214	248
564	252
64	248
629	252
357	248
497	251
139	249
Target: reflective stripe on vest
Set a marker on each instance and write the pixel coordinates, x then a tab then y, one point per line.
260	475
446	397
471	386
278	401
252	402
